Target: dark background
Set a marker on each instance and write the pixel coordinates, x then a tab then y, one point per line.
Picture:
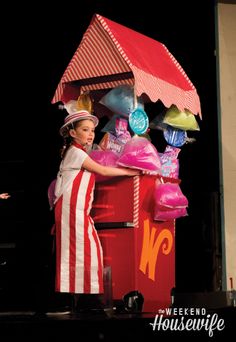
188	31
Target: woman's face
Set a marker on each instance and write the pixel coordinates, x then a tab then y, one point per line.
83	132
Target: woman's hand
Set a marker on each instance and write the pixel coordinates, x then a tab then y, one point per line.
132	172
146	172
4	195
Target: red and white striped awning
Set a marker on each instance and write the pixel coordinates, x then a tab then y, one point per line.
111	54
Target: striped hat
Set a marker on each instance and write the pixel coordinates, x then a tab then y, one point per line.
76	116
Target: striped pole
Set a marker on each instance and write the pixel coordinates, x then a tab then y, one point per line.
136	202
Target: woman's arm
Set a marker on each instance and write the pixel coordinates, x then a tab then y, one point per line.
90	165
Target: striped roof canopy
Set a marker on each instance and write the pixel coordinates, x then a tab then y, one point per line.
111	54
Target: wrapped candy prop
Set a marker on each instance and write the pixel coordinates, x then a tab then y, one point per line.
170	202
121	130
174	136
84	102
169	195
106	158
121	100
51	193
171	214
184	120
170	162
138	121
110	126
157	122
139	153
110	142
115	142
117	125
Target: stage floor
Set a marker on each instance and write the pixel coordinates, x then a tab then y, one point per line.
111	326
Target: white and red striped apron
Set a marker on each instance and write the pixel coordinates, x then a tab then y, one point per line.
79	258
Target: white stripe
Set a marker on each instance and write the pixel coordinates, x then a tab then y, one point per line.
94	262
65	241
79	257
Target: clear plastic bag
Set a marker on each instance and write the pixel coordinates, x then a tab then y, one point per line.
120	100
184	120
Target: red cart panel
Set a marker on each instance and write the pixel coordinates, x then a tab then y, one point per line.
140	251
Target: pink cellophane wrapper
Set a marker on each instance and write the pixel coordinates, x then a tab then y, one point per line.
170	214
169	162
169	195
106	158
139	153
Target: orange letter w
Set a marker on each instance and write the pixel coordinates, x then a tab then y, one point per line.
151	248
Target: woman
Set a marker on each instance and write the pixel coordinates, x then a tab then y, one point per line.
79	259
